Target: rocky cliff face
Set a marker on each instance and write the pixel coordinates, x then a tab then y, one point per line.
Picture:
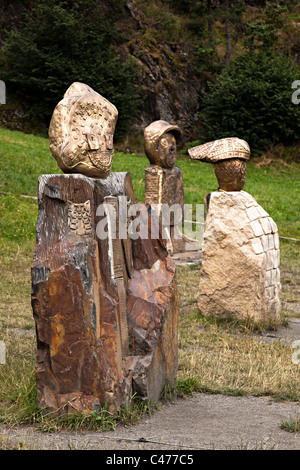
168	83
169	88
161	39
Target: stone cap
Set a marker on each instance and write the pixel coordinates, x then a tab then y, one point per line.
221	149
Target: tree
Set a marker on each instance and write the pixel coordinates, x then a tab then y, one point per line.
252	100
231	14
262	34
63	42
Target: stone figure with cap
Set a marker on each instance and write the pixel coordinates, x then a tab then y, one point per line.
240	276
104	332
164	189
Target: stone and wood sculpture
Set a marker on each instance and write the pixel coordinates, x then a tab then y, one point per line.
240	276
164	182
105	307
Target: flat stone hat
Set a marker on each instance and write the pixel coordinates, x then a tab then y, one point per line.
153	133
221	149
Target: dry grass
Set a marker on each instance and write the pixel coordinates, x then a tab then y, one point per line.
226	357
15	287
214	356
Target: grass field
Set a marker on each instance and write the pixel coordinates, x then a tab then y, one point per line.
215	357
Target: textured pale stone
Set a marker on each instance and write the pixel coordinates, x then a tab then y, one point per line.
265	242
262	211
271	291
257	228
257	246
278	276
273	276
249	200
270	259
239	278
276	258
273	225
268	279
252	213
271	241
265	222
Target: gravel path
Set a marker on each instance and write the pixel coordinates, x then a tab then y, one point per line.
201	421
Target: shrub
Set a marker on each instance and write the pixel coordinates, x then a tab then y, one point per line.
63	42
252	100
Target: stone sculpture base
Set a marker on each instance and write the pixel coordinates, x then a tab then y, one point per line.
240	275
165	187
106	310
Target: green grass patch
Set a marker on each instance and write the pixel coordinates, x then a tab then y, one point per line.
291	425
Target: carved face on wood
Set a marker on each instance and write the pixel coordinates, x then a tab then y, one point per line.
167	150
81	132
231	174
229	156
160	143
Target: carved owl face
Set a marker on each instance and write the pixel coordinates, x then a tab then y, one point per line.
81	132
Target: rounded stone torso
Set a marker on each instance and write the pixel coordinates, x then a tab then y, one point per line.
240	274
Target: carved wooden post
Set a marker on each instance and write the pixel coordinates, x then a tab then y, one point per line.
105	305
164	183
75	300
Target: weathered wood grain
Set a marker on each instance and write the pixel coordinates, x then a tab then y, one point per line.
91	297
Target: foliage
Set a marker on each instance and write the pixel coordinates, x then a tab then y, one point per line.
163	21
66	41
252	100
262	33
62	42
183	6
206	57
291	425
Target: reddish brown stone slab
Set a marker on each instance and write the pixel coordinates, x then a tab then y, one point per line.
90	297
153	321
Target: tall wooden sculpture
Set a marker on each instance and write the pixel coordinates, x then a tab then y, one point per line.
104	303
164	189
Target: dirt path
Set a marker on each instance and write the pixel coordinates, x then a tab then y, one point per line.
199	422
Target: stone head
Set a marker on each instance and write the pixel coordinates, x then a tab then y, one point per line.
160	139
229	156
81	132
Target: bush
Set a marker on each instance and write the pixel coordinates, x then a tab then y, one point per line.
63	42
252	100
